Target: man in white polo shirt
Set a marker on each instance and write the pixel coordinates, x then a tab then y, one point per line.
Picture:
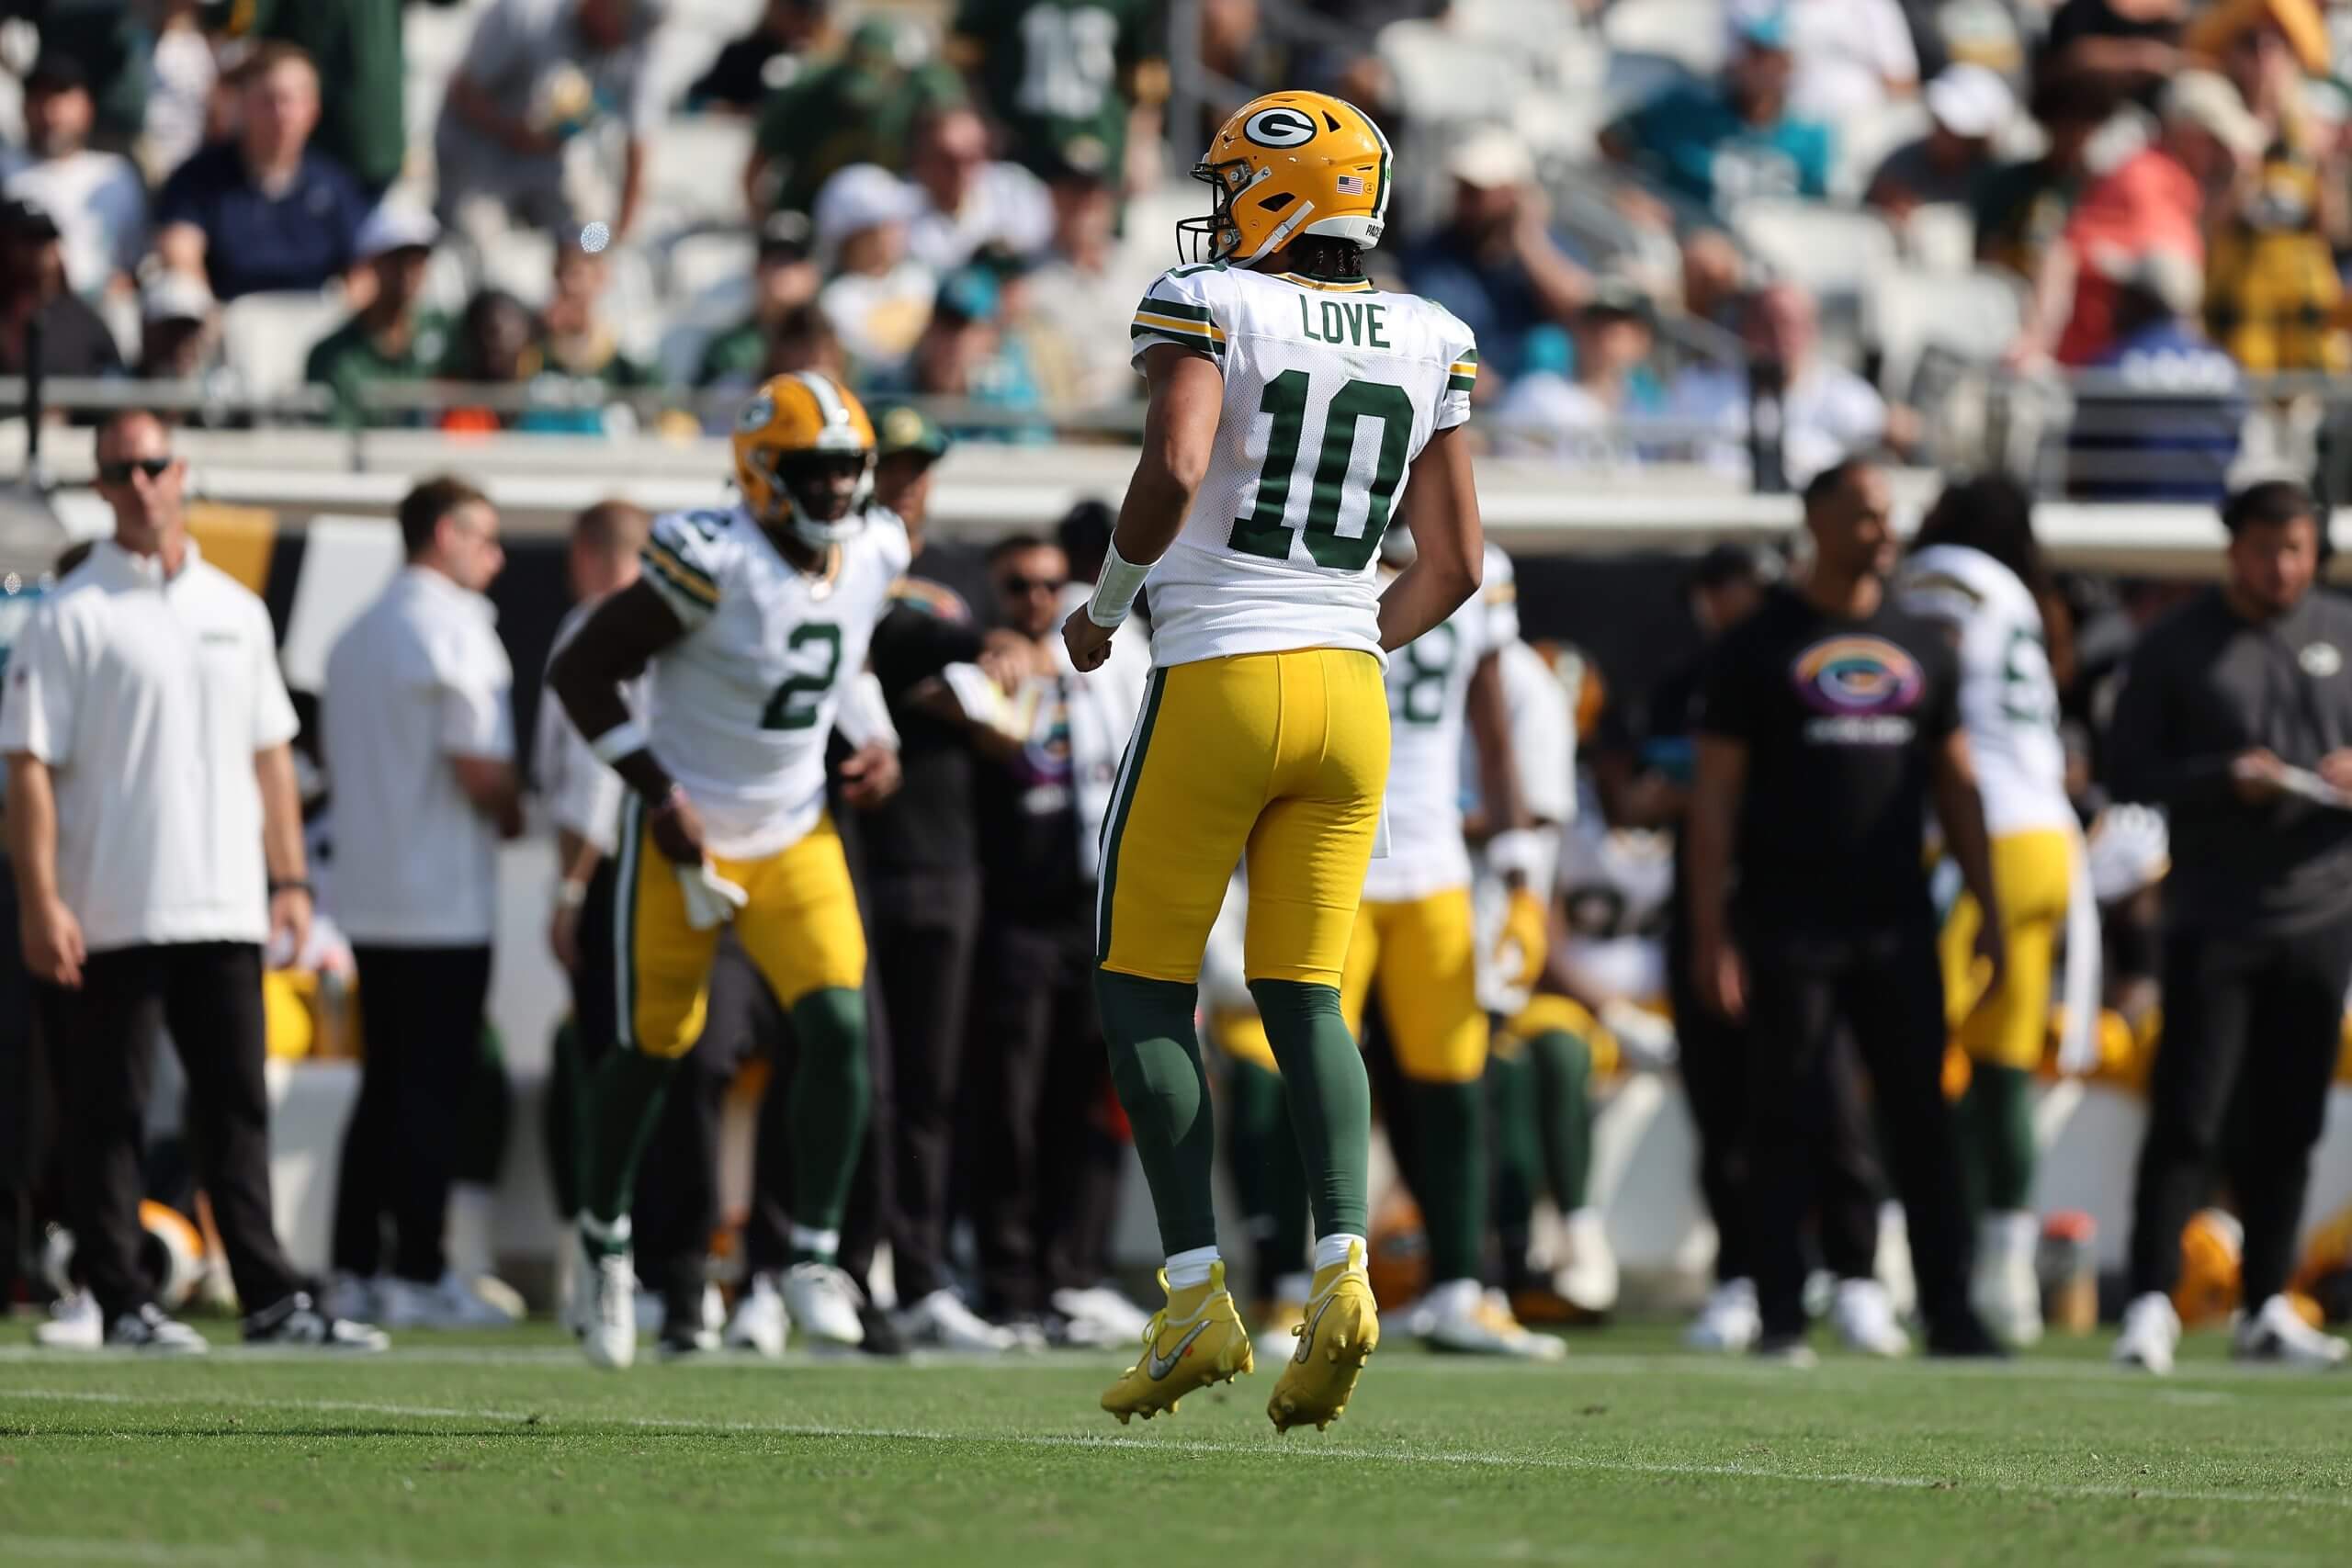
146	730
420	754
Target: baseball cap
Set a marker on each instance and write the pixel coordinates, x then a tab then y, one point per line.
2211	101
862	196
396	225
174	296
784	237
1491	159
21	217
1970	100
903	427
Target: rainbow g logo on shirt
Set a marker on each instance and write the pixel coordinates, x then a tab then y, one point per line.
1863	687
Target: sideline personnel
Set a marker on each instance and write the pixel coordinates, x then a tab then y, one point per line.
146	730
2235	714
1828	718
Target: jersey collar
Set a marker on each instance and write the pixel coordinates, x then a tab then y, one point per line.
1327	285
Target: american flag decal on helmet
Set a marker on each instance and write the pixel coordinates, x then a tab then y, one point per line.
1350	184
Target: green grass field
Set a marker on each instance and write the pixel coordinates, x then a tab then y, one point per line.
507	1450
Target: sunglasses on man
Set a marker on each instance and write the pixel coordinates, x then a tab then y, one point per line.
119	473
1017	587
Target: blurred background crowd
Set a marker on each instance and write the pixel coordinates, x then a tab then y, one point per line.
1965	230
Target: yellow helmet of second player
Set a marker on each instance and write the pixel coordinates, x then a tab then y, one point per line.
1285	166
804	457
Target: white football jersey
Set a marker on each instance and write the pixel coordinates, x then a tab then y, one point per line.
1331	390
1616	885
742	704
1429	699
2008	700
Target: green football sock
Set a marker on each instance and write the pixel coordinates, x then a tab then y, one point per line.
1997	1131
1156	1068
1563	1113
1330	1100
1263	1154
1451	1180
1510	1100
831	1095
620	1105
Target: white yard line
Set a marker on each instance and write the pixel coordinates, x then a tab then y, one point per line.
1472	1458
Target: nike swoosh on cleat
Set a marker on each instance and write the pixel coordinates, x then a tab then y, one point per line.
1306	1340
1157	1366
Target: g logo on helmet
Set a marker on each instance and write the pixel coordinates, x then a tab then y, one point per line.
757	415
1279	126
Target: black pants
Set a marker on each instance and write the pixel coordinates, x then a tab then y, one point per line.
420	1013
1886	988
924	929
102	1042
2252	1029
1048	1165
1848	1183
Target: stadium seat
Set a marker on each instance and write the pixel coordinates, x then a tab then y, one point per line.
699	262
1864	140
266	338
1941	237
1691	32
1833	253
1442	76
520	260
1970	316
695	171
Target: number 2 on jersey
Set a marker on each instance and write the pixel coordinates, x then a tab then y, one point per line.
1420	672
1263	532
795	703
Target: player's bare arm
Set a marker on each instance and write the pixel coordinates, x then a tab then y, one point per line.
1187	392
1441	504
1959	810
1712	824
589	677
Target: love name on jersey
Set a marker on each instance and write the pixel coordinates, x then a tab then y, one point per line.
1355	323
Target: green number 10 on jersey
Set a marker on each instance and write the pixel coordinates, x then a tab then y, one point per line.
1267	531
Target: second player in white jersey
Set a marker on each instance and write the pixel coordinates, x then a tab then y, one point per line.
743	704
2008	700
1429	696
1331	390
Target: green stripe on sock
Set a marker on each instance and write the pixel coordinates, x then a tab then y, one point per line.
1116	827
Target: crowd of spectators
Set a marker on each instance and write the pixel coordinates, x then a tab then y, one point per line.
939	200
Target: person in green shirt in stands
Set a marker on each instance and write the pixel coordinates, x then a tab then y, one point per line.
859	108
787	277
357	45
395	337
1072	80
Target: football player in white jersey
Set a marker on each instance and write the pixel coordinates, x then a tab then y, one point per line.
1975	568
1290	404
754	621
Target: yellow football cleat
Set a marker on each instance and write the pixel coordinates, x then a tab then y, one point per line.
1341	1330
1195	1341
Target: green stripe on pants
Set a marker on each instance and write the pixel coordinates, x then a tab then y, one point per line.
1115	825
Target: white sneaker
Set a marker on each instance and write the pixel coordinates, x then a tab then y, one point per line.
1588	1280
822	1303
2006	1289
604	1307
448	1302
1104	1312
351	1297
1863	1315
759	1323
942	1322
2151	1333
2278	1333
149	1329
296	1324
1479	1323
1728	1321
74	1324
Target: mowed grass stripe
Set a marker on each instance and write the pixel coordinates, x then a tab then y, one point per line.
1320	1450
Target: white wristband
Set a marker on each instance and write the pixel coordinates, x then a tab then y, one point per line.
1516	852
1115	590
620	741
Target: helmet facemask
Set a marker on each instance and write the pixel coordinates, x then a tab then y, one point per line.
807	487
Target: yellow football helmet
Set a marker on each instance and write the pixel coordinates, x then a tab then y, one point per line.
1285	166
798	431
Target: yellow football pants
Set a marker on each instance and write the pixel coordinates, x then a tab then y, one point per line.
1422	955
1280	757
2033	873
799	927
